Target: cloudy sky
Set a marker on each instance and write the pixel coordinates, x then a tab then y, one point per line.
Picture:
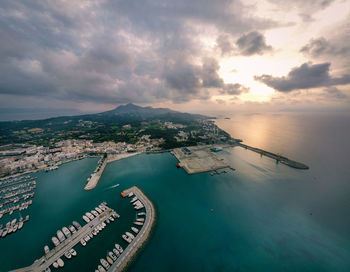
69	57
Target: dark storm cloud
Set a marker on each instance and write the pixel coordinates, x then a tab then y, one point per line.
252	43
322	47
114	51
306	76
186	81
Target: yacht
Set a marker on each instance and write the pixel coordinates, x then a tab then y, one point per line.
55	264
104	263
66	232
94	213
134	229
140	219
126	238
76	225
20	224
130	194
116	252
89	215
60	262
112	255
82	242
86	219
101	269
47	269
72	229
4	233
68	255
109	259
73	252
60	236
55	241
98	210
46	249
138	223
134	199
111	218
141	213
130	235
119	248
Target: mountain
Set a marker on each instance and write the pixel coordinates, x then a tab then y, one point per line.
102	126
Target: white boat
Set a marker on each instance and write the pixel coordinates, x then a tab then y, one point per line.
60	236
91	236
116	252
98	210
119	248
66	232
138	223
108	221
141	213
73	252
20	225
68	255
55	241
87	238
111	218
104	263
99	227
82	242
103	224
101	269
109	259
130	194
130	235
89	215
60	262
112	255
86	219
94	213
4	233
133	199
76	225
46	249
13	222
15	227
134	229
47	269
55	264
72	229
140	219
127	238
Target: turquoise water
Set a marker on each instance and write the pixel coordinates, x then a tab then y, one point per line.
262	217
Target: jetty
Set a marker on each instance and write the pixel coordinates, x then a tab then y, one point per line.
95	177
48	259
278	158
143	234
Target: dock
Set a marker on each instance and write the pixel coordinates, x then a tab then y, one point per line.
143	234
278	158
199	159
48	259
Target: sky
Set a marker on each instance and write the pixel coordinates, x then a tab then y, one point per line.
75	57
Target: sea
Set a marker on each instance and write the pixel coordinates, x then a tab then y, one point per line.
264	216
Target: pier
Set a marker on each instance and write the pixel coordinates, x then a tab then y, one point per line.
48	259
142	236
95	177
278	158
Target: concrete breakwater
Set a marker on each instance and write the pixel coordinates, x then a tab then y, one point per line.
144	233
278	158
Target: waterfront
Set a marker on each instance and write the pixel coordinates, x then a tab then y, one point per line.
260	217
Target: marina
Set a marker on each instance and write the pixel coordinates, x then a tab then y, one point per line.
68	240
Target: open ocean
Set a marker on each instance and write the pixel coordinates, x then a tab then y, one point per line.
262	217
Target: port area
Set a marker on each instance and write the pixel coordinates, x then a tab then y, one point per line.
143	234
278	158
95	177
48	259
199	159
